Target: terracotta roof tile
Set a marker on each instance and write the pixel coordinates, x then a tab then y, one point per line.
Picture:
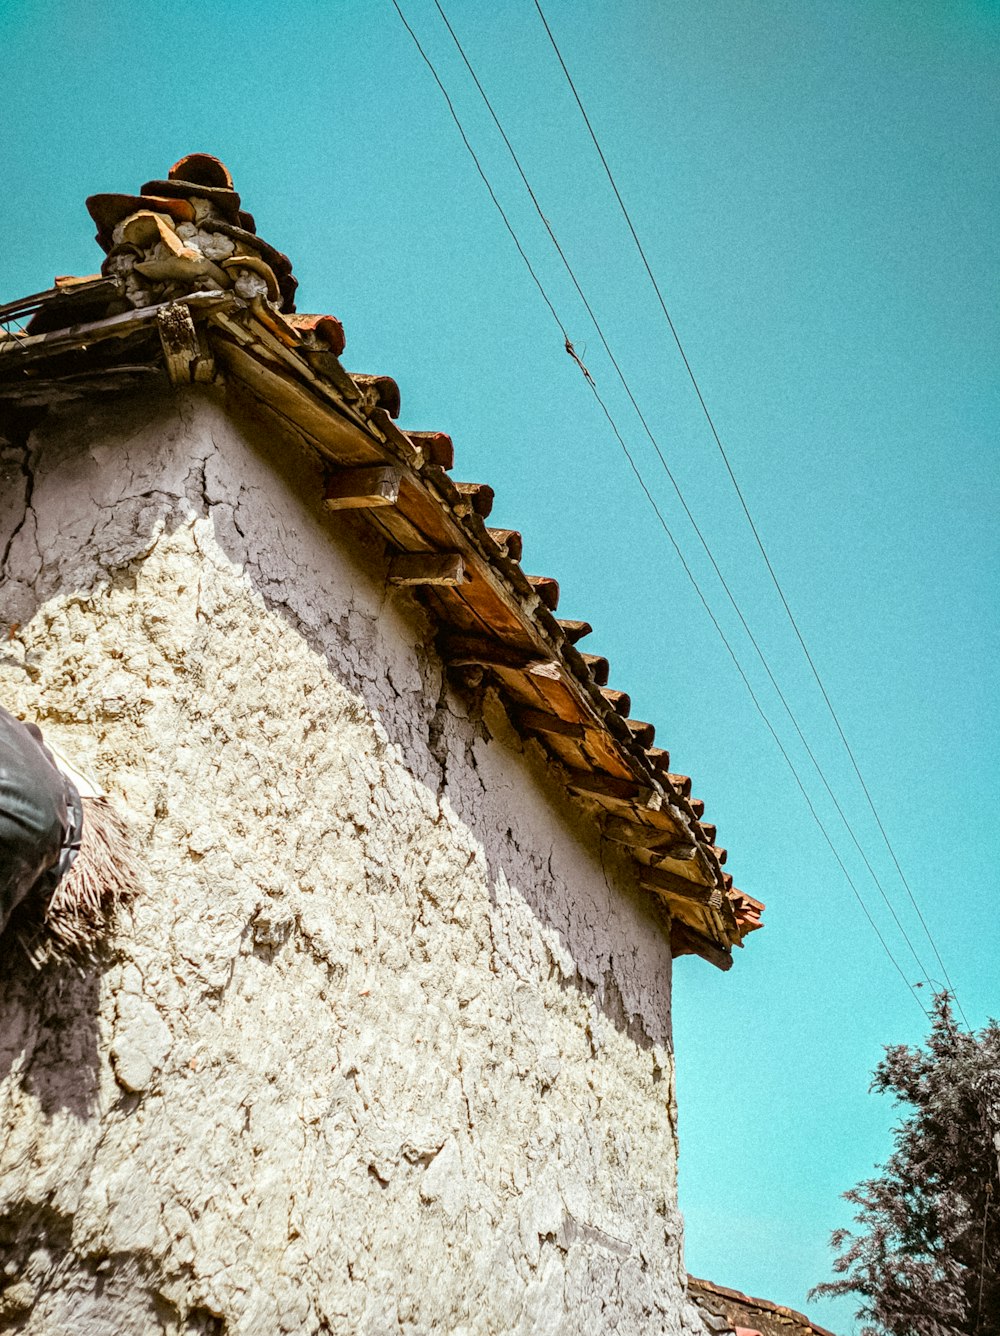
769	1319
495	623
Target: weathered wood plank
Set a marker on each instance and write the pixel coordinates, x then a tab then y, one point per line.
540	721
610	786
333	434
663	839
38	347
179	341
659	879
488	653
685	940
363	489
426	568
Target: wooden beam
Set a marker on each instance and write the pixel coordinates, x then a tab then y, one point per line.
684	940
659	879
636	834
658	840
597	783
92	289
363	489
678	852
540	721
458	648
37	347
426	568
179	341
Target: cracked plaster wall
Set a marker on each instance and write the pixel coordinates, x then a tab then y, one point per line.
383	1045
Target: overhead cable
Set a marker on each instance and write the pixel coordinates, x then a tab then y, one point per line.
677	489
746	510
659	515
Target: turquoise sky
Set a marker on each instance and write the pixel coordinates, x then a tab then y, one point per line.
815	185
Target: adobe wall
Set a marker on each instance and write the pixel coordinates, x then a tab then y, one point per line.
384	1045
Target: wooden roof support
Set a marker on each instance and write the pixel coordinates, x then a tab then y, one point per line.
363	489
181	345
684	940
484	651
40	347
659	879
595	782
540	721
638	835
426	568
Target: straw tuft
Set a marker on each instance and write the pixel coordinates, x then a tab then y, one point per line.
104	875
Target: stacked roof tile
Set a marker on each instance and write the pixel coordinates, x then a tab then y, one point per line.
189	291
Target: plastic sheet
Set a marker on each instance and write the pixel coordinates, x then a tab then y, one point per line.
40	817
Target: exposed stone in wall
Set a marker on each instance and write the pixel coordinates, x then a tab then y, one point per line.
383	1046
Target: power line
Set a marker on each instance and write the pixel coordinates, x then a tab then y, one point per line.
635	469
746	509
680	495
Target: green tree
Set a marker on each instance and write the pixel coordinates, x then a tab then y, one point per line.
925	1260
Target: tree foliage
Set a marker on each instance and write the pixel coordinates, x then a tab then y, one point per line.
925	1260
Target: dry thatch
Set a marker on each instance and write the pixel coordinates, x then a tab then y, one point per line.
104	874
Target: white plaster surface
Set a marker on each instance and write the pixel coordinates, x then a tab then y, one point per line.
383	1046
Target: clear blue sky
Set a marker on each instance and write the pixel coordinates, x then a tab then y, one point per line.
816	186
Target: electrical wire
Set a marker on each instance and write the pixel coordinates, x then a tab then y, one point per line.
746	510
680	495
637	472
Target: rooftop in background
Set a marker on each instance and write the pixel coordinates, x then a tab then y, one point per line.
747	1316
189	292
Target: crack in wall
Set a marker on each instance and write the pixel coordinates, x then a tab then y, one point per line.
280	734
24	464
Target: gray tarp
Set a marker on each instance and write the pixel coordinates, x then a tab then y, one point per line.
40	816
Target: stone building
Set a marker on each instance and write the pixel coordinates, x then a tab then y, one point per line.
382	1043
